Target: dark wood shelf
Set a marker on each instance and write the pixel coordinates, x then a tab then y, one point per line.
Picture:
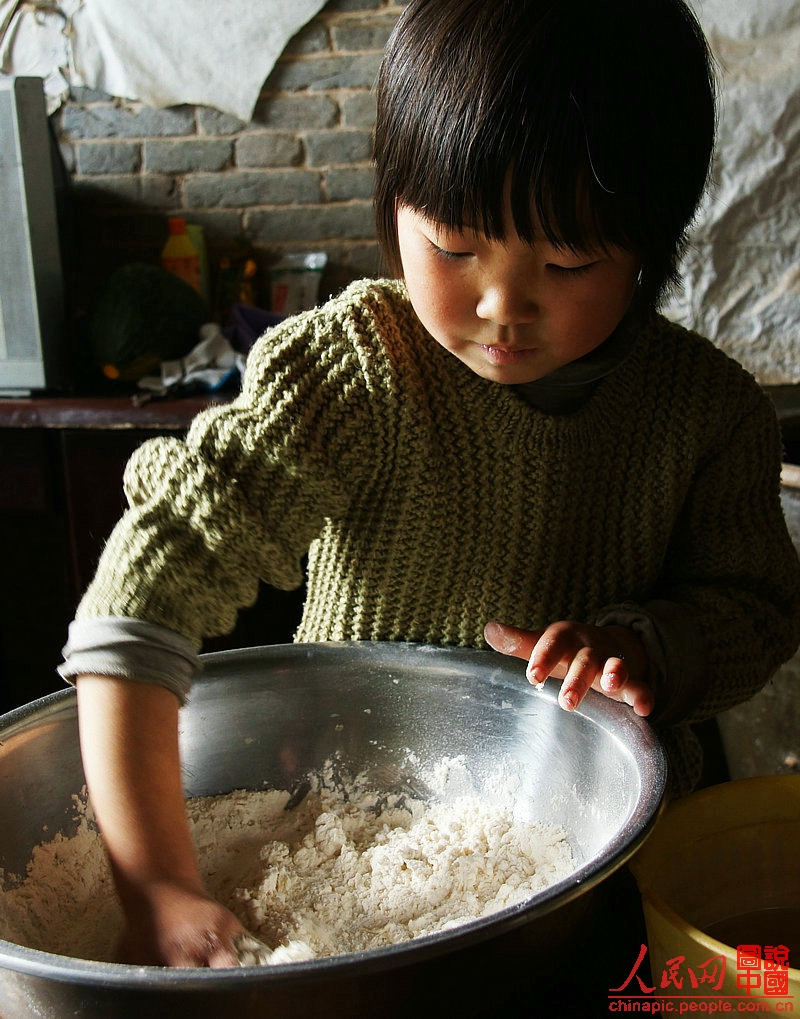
102	412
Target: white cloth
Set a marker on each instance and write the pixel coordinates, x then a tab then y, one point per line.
209	364
204	52
35	41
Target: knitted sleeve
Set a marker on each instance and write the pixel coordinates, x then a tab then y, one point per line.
732	568
244	495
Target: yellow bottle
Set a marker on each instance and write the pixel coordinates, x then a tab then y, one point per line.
180	256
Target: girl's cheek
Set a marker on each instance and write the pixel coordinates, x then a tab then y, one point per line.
447	313
449	298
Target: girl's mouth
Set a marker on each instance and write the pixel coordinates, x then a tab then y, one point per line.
505	355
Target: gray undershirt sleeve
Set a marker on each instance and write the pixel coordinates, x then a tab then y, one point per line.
130	649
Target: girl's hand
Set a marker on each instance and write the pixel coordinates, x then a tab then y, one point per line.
171	925
609	659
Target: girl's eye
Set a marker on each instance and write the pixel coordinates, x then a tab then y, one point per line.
449	256
571	270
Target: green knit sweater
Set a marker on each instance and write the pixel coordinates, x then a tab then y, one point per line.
430	500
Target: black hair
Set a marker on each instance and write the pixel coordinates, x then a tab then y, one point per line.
600	112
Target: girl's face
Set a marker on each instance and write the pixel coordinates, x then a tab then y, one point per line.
511	311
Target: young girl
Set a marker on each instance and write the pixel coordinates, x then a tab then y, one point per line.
506	444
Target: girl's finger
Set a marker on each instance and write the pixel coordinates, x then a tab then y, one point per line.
554	652
641	699
581	674
616	683
615	673
534	646
509	640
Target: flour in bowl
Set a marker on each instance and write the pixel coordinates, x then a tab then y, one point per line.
345	869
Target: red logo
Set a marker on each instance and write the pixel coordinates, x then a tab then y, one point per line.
762	972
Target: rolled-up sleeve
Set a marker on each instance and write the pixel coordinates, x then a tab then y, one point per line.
130	649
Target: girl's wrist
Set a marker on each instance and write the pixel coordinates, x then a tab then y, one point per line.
145	895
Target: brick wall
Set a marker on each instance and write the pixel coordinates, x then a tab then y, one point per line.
298	177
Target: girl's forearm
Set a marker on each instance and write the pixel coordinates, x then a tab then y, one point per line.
129	743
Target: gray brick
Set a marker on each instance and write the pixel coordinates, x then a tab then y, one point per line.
122	122
237	189
370	33
151	191
318	73
187	155
349	182
312	38
326	147
293	112
311	223
269	148
108	157
358	109
211	121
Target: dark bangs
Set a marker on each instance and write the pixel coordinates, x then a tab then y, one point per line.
475	114
564	100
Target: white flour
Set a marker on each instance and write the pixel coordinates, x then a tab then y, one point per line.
346	869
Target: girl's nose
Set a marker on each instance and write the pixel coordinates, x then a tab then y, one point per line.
506	303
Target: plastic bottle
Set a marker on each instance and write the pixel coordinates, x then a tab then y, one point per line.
180	256
198	239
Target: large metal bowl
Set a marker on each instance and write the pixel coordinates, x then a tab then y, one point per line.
265	717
